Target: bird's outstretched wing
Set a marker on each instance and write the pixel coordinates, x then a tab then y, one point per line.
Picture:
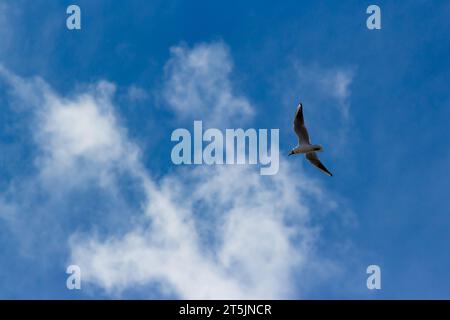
299	126
314	159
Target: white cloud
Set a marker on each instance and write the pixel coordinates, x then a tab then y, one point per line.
198	85
231	242
203	232
135	93
82	135
325	83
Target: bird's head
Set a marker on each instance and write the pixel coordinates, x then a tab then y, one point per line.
291	153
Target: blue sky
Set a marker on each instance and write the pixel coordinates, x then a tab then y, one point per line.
86	174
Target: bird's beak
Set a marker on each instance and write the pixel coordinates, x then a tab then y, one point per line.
291	153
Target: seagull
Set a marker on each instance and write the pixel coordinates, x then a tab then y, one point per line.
304	145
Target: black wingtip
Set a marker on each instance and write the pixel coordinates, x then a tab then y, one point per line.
324	169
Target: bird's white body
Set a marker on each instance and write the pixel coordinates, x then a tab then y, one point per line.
305	148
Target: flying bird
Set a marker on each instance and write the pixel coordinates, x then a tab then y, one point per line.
304	145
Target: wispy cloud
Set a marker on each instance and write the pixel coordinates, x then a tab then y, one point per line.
198	85
223	243
201	232
326	94
135	93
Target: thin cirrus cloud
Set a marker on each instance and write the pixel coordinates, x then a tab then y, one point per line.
326	97
221	232
333	83
197	85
